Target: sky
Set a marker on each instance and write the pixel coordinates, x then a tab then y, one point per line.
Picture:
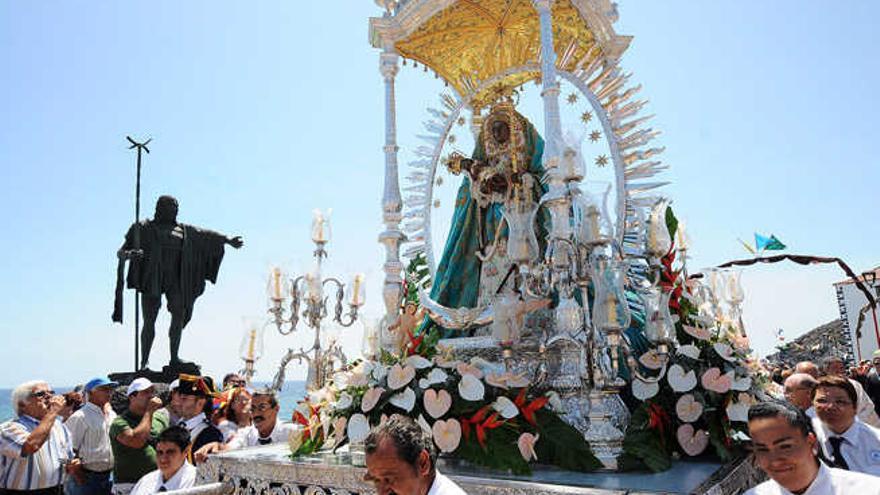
262	111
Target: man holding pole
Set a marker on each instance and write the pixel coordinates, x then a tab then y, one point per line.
171	259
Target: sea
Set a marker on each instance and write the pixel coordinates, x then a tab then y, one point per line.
291	393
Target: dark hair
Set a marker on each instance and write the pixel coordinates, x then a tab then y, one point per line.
408	437
266	392
831	381
230	376
177	435
778	409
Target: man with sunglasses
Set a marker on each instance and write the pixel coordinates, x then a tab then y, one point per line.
35	446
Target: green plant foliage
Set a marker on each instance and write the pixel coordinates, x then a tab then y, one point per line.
562	445
644	446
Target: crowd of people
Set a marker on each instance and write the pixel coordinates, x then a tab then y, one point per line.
77	444
819	435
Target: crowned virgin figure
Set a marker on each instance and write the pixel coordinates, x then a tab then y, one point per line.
498	196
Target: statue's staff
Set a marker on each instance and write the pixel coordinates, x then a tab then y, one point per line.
120	268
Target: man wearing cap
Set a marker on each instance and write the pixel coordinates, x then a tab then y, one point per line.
90	435
132	435
195	399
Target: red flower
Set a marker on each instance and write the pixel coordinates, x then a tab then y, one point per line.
657	420
414	343
528	411
474	420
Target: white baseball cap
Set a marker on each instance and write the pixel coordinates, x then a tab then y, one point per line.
138	385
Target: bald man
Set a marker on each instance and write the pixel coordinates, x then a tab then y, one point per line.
807	367
799	391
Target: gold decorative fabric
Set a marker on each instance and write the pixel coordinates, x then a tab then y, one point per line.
474	40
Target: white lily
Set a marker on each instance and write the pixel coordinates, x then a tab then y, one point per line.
447	434
400	376
434	377
526	444
358	428
471	388
371	397
344	401
404	400
418	362
505	407
437	403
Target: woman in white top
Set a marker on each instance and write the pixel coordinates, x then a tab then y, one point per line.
786	448
234	412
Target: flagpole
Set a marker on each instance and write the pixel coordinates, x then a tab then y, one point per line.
137	243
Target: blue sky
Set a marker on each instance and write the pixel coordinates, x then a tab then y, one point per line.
262	111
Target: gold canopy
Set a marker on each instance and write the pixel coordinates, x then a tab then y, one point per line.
471	41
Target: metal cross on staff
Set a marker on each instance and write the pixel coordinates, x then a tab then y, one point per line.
137	239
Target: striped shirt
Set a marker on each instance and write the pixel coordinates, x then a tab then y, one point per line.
42	469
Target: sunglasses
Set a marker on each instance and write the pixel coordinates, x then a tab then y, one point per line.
43	394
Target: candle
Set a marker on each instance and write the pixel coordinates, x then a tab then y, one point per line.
276	283
321	226
356	299
252	340
612	311
593	218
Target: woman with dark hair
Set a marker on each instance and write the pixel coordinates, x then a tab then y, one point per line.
785	447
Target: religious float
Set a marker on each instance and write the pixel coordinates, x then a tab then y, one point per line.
557	343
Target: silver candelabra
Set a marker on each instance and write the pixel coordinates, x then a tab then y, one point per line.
309	290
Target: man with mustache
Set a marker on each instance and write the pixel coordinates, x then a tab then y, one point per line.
267	428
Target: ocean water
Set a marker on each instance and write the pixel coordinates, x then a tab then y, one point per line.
290	394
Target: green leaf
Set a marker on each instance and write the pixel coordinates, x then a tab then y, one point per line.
501	443
562	445
671	222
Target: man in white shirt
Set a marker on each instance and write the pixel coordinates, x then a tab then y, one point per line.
401	459
845	440
267	429
864	406
90	435
174	472
786	449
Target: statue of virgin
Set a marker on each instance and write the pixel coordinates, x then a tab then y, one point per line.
502	176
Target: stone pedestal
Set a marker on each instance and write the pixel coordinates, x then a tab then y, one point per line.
168	374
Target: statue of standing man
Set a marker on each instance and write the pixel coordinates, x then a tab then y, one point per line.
171	259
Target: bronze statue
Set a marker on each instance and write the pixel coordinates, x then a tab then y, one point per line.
172	259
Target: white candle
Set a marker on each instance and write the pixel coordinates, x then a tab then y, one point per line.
356	299
276	283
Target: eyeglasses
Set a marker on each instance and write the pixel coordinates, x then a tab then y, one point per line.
263	407
43	394
822	401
